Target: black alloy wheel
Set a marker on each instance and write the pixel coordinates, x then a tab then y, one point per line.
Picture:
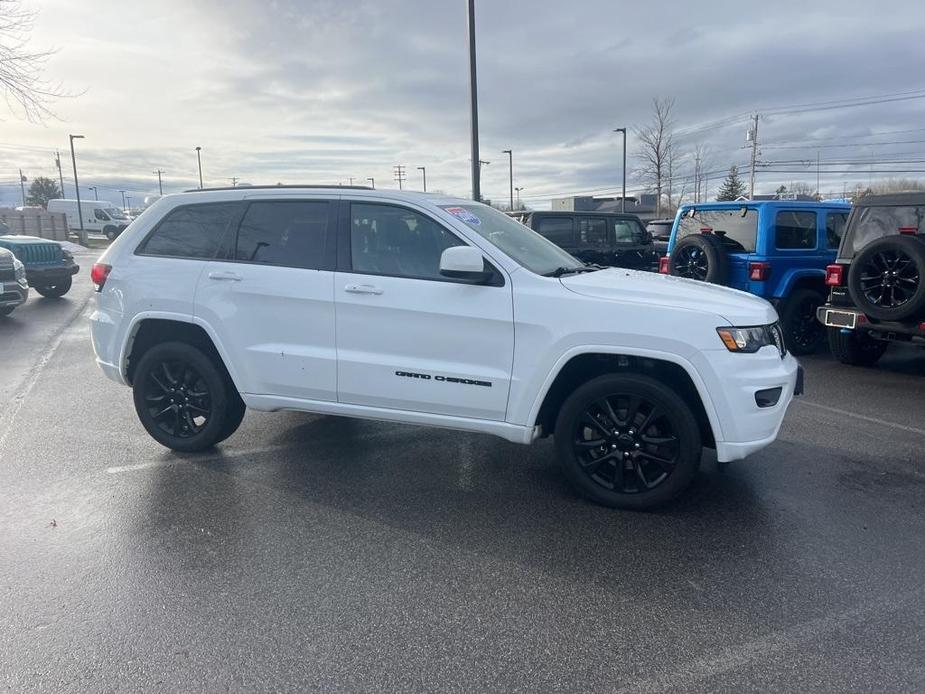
889	279
177	398
627	441
803	332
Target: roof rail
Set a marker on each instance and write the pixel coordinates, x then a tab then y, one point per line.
276	186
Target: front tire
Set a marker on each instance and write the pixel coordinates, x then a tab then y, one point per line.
627	441
803	333
183	399
56	290
855	349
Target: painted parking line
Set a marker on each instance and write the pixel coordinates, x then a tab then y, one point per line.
198	459
863	417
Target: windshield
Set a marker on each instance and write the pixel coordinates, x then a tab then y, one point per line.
736	228
115	214
661	231
520	243
871	223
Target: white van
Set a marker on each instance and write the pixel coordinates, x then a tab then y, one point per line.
99	216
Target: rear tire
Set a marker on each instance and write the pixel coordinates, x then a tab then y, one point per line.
803	333
887	278
855	349
627	441
6	310
56	290
700	257
184	399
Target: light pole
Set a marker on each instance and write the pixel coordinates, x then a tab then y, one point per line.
623	198
123	198
160	186
510	173
372	182
128	205
95	196
199	162
22	187
83	233
474	109
518	194
423	171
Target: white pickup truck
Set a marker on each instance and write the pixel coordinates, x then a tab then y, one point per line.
430	310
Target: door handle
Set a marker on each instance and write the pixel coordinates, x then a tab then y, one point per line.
362	289
230	276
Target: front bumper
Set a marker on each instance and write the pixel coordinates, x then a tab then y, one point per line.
850	319
741	426
41	276
13	294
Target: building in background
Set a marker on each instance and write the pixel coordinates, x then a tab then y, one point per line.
642	205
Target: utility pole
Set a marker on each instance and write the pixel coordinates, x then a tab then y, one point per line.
351	180
753	136
623	198
510	174
123	198
670	176
234	181
83	233
400	176
818	196
372	182
423	170
474	109
22	187
160	187
697	178
60	175
199	162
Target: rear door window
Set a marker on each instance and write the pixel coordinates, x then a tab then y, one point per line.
795	230
872	223
191	231
592	231
286	233
559	230
737	228
835	228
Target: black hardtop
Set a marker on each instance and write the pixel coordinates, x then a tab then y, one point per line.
892	200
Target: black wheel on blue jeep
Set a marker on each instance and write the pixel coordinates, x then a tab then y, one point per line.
855	348
627	441
887	278
700	257
184	399
56	290
803	333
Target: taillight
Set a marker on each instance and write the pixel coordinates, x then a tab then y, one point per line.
706	230
98	274
759	272
834	274
663	265
909	230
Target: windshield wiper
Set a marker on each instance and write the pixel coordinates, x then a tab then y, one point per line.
562	271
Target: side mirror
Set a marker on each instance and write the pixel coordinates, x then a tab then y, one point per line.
464	263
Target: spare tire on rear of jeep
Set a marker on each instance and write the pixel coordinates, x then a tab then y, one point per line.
887	279
700	257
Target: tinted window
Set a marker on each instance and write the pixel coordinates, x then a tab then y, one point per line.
872	223
795	230
194	231
628	231
834	228
387	240
99	214
592	231
661	231
292	234
737	228
556	229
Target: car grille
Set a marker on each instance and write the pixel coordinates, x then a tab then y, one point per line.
39	253
778	336
7	273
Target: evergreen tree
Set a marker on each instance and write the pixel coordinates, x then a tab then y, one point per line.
733	187
41	191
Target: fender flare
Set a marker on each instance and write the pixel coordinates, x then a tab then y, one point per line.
791	277
688	367
178	318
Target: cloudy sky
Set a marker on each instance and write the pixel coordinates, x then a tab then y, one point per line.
322	90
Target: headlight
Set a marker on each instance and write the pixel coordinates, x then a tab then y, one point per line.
752	339
67	255
19	269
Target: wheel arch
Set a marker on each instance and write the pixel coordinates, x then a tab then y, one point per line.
582	364
806	278
151	329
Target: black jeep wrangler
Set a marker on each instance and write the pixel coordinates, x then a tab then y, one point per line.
877	284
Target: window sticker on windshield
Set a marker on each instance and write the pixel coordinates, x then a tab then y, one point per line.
464	214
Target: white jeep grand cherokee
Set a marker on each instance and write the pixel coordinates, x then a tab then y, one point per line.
429	310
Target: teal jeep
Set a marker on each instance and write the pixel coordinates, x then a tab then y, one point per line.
49	267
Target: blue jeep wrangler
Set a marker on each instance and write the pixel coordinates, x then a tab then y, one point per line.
776	249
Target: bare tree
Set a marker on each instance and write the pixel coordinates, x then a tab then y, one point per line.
21	67
655	154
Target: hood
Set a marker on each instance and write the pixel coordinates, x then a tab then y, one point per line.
738	308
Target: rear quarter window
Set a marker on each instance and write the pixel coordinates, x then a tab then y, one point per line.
795	230
191	231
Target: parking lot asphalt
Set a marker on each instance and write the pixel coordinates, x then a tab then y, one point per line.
313	553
